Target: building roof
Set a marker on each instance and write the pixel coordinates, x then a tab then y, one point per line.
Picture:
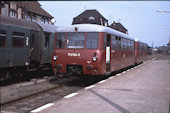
89	13
33	7
92	28
90	17
117	26
6	20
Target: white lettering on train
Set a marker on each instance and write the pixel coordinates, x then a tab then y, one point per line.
73	54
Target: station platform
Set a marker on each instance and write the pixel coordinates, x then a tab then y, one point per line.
142	89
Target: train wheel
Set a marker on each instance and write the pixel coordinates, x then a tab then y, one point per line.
4	76
19	74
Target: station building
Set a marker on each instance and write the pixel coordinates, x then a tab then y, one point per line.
119	27
90	17
28	10
94	17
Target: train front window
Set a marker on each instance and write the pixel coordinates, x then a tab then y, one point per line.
75	40
92	40
60	41
2	38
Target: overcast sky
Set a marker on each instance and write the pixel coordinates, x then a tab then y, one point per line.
139	17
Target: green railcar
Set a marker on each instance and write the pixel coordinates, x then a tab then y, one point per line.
24	46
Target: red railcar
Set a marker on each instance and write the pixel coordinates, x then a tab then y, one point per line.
141	51
91	49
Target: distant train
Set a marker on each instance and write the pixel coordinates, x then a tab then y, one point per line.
24	46
95	50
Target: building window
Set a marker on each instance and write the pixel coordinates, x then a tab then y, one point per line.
28	17
12	13
18	39
13	2
34	18
42	20
2	38
46	21
105	23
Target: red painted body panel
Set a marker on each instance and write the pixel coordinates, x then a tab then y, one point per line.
85	59
140	54
121	59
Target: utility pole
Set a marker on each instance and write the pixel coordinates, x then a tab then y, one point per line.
152	48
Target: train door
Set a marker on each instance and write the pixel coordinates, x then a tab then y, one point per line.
46	51
52	36
4	47
108	51
33	46
20	49
113	53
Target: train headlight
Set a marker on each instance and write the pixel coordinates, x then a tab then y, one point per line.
55	58
94	58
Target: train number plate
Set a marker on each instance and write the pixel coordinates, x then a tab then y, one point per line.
73	54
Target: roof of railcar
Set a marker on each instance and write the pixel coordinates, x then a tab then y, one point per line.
47	27
6	20
92	28
136	40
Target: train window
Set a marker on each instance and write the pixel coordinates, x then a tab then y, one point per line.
122	44
105	41
60	41
75	40
108	39
18	39
2	38
141	46
129	45
138	46
118	43
114	43
47	38
126	44
92	40
132	45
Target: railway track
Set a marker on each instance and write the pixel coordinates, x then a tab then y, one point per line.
32	95
27	103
